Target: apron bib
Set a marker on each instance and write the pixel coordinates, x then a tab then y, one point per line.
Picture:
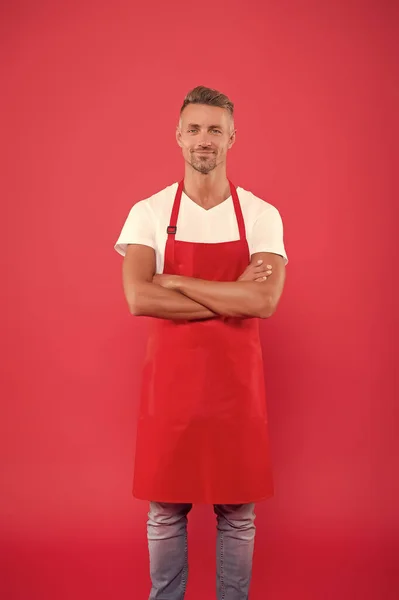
202	433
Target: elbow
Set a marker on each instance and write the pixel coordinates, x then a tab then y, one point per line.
265	308
134	304
133	309
138	298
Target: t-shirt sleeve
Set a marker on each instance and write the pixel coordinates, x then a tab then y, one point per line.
268	234
139	228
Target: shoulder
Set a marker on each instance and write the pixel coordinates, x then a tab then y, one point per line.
158	202
254	207
264	225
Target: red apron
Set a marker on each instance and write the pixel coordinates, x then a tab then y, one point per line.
202	432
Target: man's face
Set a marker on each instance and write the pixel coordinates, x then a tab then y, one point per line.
205	134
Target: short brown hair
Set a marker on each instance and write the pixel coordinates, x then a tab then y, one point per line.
205	95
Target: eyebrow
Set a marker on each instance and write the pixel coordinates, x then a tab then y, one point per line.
209	127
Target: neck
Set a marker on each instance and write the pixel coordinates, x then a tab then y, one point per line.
207	190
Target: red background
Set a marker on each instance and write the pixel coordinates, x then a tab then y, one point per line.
90	101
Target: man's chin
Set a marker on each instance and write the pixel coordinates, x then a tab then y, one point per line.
203	167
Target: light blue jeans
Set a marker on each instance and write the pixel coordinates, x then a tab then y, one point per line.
167	544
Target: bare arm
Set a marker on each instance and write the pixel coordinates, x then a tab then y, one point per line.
145	298
238	298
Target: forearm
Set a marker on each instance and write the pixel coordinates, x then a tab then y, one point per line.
151	300
229	299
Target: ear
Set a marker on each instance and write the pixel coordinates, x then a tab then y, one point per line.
232	138
178	136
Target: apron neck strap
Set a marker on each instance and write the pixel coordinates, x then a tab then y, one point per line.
172	228
238	211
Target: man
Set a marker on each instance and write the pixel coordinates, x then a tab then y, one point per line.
207	261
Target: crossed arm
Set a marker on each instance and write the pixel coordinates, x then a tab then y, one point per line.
177	297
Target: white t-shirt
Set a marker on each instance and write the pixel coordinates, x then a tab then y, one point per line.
148	219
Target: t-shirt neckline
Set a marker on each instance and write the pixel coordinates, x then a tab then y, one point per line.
207	210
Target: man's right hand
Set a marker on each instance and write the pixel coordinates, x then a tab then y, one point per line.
256	272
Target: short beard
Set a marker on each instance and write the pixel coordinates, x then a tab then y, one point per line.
203	167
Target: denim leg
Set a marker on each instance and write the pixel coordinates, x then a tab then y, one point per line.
167	545
234	550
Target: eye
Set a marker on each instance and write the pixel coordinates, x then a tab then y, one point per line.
216	130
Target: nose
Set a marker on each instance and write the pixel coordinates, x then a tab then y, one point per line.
204	140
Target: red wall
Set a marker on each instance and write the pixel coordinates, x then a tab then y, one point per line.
90	101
